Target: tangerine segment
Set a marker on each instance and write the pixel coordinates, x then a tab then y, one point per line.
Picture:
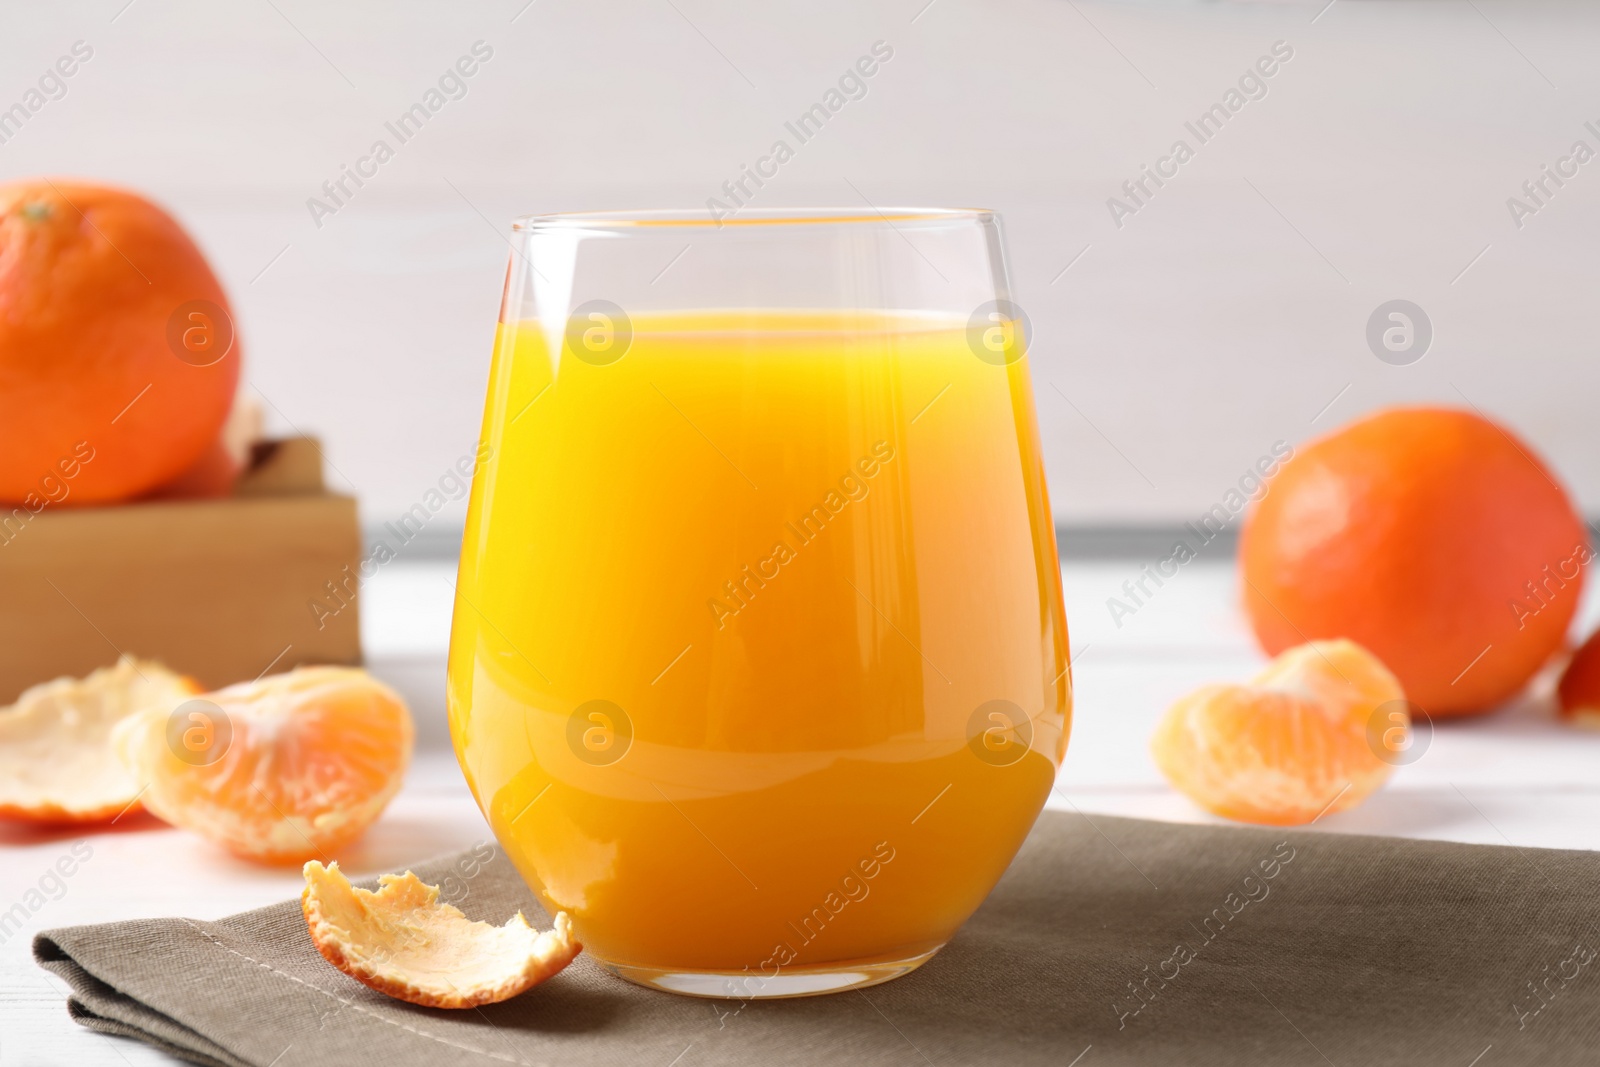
1579	691
1290	745
279	770
404	943
56	759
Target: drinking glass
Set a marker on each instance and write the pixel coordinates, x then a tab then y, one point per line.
758	667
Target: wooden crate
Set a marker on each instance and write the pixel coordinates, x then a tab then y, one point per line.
222	590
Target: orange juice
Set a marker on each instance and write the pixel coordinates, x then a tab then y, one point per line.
739	621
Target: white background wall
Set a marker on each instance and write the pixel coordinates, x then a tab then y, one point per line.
1228	313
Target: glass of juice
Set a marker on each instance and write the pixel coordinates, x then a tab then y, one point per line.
759	667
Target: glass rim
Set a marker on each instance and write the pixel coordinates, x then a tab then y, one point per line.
691	218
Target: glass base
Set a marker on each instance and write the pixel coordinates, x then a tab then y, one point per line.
752	985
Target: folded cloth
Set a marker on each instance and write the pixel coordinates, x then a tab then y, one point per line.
1109	941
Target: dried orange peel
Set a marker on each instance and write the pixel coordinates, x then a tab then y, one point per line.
57	763
403	942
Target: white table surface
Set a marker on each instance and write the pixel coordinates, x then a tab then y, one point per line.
1517	777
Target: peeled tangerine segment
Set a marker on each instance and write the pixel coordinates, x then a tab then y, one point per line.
1293	744
404	943
286	768
57	763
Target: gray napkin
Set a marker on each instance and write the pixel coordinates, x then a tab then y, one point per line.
1109	941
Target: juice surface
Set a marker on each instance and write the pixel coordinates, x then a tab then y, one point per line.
733	615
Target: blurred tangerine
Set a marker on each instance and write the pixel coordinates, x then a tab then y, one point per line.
90	281
1579	690
1430	536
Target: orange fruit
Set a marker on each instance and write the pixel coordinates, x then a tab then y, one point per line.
1432	537
1579	691
56	760
210	478
279	770
404	943
1292	744
213	475
116	343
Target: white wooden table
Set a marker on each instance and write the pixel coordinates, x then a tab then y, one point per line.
1517	777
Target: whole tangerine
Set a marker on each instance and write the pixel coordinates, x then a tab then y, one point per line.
1578	695
116	344
1431	536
